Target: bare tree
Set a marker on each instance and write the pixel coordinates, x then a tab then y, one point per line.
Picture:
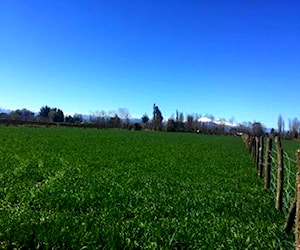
222	123
181	117
231	120
124	115
294	126
180	122
189	123
99	118
280	124
196	121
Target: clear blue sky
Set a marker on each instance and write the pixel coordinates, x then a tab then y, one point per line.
236	59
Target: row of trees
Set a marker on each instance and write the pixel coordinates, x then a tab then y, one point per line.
179	123
46	114
19	114
51	114
293	127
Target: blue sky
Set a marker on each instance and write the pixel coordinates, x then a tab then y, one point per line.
236	59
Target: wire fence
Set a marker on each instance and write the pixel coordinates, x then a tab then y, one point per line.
281	174
290	180
273	182
258	148
289	187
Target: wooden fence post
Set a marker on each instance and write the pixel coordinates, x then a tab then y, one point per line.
246	139
257	141
250	145
268	163
297	222
261	157
291	218
253	148
279	191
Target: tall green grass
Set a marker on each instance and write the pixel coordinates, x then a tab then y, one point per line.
111	189
291	147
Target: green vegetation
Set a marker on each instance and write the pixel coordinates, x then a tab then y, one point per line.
291	147
87	188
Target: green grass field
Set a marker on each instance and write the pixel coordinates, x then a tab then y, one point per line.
111	189
291	147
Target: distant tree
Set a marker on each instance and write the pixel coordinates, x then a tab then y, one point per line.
157	118
12	115
231	120
190	123
27	114
56	115
294	126
44	111
100	118
111	113
115	121
137	126
3	115
280	124
101	122
272	132
51	115
221	127
171	125
125	116
78	118
59	117
196	121
69	119
145	119
181	117
180	122
22	115
258	129
246	127
241	128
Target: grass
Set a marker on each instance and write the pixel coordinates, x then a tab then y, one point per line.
291	147
110	189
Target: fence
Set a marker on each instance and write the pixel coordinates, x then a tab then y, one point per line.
281	175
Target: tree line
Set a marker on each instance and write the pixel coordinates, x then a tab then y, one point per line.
179	123
293	130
